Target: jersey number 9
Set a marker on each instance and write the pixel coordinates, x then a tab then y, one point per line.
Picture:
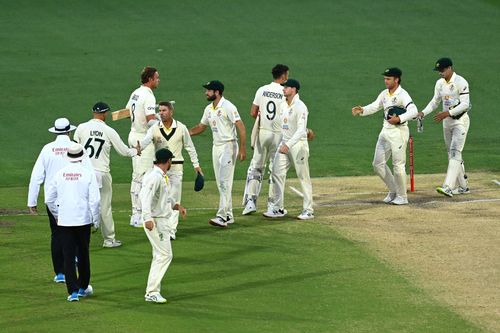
271	110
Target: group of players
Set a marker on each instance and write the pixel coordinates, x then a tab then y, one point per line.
279	139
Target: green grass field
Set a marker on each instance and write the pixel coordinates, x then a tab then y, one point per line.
60	57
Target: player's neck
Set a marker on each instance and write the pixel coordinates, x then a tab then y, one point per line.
393	89
168	123
216	101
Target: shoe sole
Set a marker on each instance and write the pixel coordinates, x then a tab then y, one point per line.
273	216
111	246
443	192
249	212
216	224
156	302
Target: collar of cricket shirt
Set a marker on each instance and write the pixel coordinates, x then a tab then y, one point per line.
222	99
452	78
396	92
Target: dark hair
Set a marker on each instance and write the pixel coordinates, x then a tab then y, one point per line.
167	104
148	73
279	70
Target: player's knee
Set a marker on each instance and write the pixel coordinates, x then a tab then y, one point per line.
455	155
399	169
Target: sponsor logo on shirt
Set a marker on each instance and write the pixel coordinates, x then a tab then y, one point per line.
72	176
135	97
59	151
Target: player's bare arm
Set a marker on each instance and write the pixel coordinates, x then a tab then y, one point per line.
181	210
254	111
357	110
242	154
198	129
441	115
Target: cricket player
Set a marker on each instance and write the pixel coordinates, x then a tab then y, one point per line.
142	105
265	108
98	138
293	150
394	136
452	91
73	199
172	135
157	211
50	160
223	118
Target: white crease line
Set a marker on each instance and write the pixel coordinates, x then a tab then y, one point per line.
462	202
496	182
296	191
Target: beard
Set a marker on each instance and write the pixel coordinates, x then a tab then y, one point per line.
211	98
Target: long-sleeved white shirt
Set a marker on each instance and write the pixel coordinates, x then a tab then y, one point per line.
73	197
97	138
221	120
154	196
385	100
454	95
142	103
174	139
293	119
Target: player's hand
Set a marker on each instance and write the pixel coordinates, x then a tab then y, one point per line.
394	120
283	149
310	134
138	147
198	170
357	110
182	211
33	210
149	225
441	115
420	115
242	155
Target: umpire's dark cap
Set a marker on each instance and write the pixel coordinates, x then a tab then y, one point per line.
393	71
100	107
442	63
163	155
292	83
214	85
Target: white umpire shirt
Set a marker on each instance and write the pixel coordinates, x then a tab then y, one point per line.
221	120
385	100
269	99
97	138
454	94
142	103
155	199
73	198
294	122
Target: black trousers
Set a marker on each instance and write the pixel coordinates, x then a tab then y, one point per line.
56	244
76	239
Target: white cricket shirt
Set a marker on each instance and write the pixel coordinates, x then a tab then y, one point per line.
293	120
221	120
269	98
154	196
142	103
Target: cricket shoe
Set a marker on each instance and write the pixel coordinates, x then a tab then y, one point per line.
460	190
218	222
155	298
111	243
73	297
445	190
135	221
229	220
249	208
305	216
59	278
390	196
275	213
86	292
399	201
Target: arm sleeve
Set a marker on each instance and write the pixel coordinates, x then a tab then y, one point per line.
148	138
94	199
434	103
118	144
463	88
149	187
37	179
149	105
51	198
232	113
204	118
189	146
76	136
373	107
301	131
258	95
411	109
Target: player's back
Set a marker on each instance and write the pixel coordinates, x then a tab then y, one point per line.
94	136
268	98
142	103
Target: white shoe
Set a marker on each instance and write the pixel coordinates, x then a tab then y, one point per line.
460	190
399	201
155	298
229	220
305	216
390	196
275	213
135	221
445	190
112	243
218	222
249	208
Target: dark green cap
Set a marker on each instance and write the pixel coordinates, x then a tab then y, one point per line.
392	71
292	83
442	64
214	85
163	155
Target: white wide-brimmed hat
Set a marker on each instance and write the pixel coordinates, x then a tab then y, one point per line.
62	125
75	153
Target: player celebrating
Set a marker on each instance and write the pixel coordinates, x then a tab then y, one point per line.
173	135
265	108
142	105
453	91
223	118
97	138
394	136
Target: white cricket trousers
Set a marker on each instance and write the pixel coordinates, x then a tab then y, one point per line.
455	133
224	159
175	181
140	164
392	143
106	190
159	238
298	156
264	151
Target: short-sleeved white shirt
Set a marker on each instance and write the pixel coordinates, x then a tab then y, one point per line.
142	103
269	98
221	120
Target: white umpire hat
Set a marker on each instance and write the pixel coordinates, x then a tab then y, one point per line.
62	125
75	153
